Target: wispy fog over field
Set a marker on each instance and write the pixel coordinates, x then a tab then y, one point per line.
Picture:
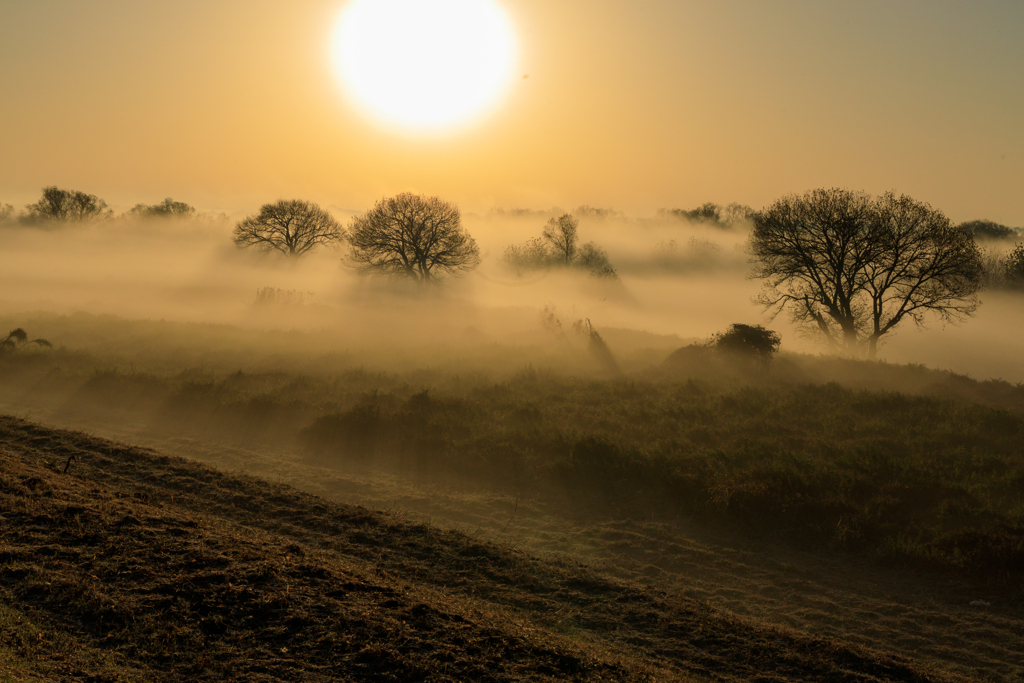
675	278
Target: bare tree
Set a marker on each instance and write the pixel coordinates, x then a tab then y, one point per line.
5	211
67	206
561	234
559	246
292	227
413	236
923	263
852	267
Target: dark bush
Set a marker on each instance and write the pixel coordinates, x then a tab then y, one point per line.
753	341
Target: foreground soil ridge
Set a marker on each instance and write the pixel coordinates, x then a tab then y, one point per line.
122	564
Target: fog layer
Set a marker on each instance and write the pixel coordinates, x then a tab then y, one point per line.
676	279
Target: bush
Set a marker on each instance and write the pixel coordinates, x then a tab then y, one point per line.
753	341
18	339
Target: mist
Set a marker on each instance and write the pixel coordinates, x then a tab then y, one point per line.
677	281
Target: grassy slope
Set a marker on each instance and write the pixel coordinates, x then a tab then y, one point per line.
138	566
930	476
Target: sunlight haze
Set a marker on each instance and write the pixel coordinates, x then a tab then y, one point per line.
638	106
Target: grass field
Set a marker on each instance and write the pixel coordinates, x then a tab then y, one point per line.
802	478
803	450
131	565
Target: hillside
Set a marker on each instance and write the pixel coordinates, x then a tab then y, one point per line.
133	565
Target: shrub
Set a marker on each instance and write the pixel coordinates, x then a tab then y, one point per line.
18	339
753	341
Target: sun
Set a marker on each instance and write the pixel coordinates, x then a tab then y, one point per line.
424	64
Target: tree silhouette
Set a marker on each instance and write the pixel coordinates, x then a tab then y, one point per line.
66	206
990	230
413	236
558	246
1013	267
561	234
291	227
168	208
852	267
5	211
753	341
18	339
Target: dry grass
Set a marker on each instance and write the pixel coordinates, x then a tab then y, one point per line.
138	566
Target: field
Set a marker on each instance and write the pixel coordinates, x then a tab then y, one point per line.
815	506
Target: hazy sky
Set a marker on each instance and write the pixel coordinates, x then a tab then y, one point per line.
635	105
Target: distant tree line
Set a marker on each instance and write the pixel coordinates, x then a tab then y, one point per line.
1003	269
59	206
846	266
711	214
990	230
168	208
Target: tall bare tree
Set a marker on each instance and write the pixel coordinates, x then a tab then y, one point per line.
922	263
852	267
413	236
811	250
5	211
291	227
66	206
562	234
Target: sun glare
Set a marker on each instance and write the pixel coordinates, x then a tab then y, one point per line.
424	64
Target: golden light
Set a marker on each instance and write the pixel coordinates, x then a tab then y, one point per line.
424	64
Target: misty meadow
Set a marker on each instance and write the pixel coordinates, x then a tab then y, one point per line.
499	340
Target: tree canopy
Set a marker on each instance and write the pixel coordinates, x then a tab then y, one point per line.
986	229
413	236
290	227
852	267
168	208
562	235
711	214
66	206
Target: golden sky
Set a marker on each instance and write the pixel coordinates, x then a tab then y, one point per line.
636	105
